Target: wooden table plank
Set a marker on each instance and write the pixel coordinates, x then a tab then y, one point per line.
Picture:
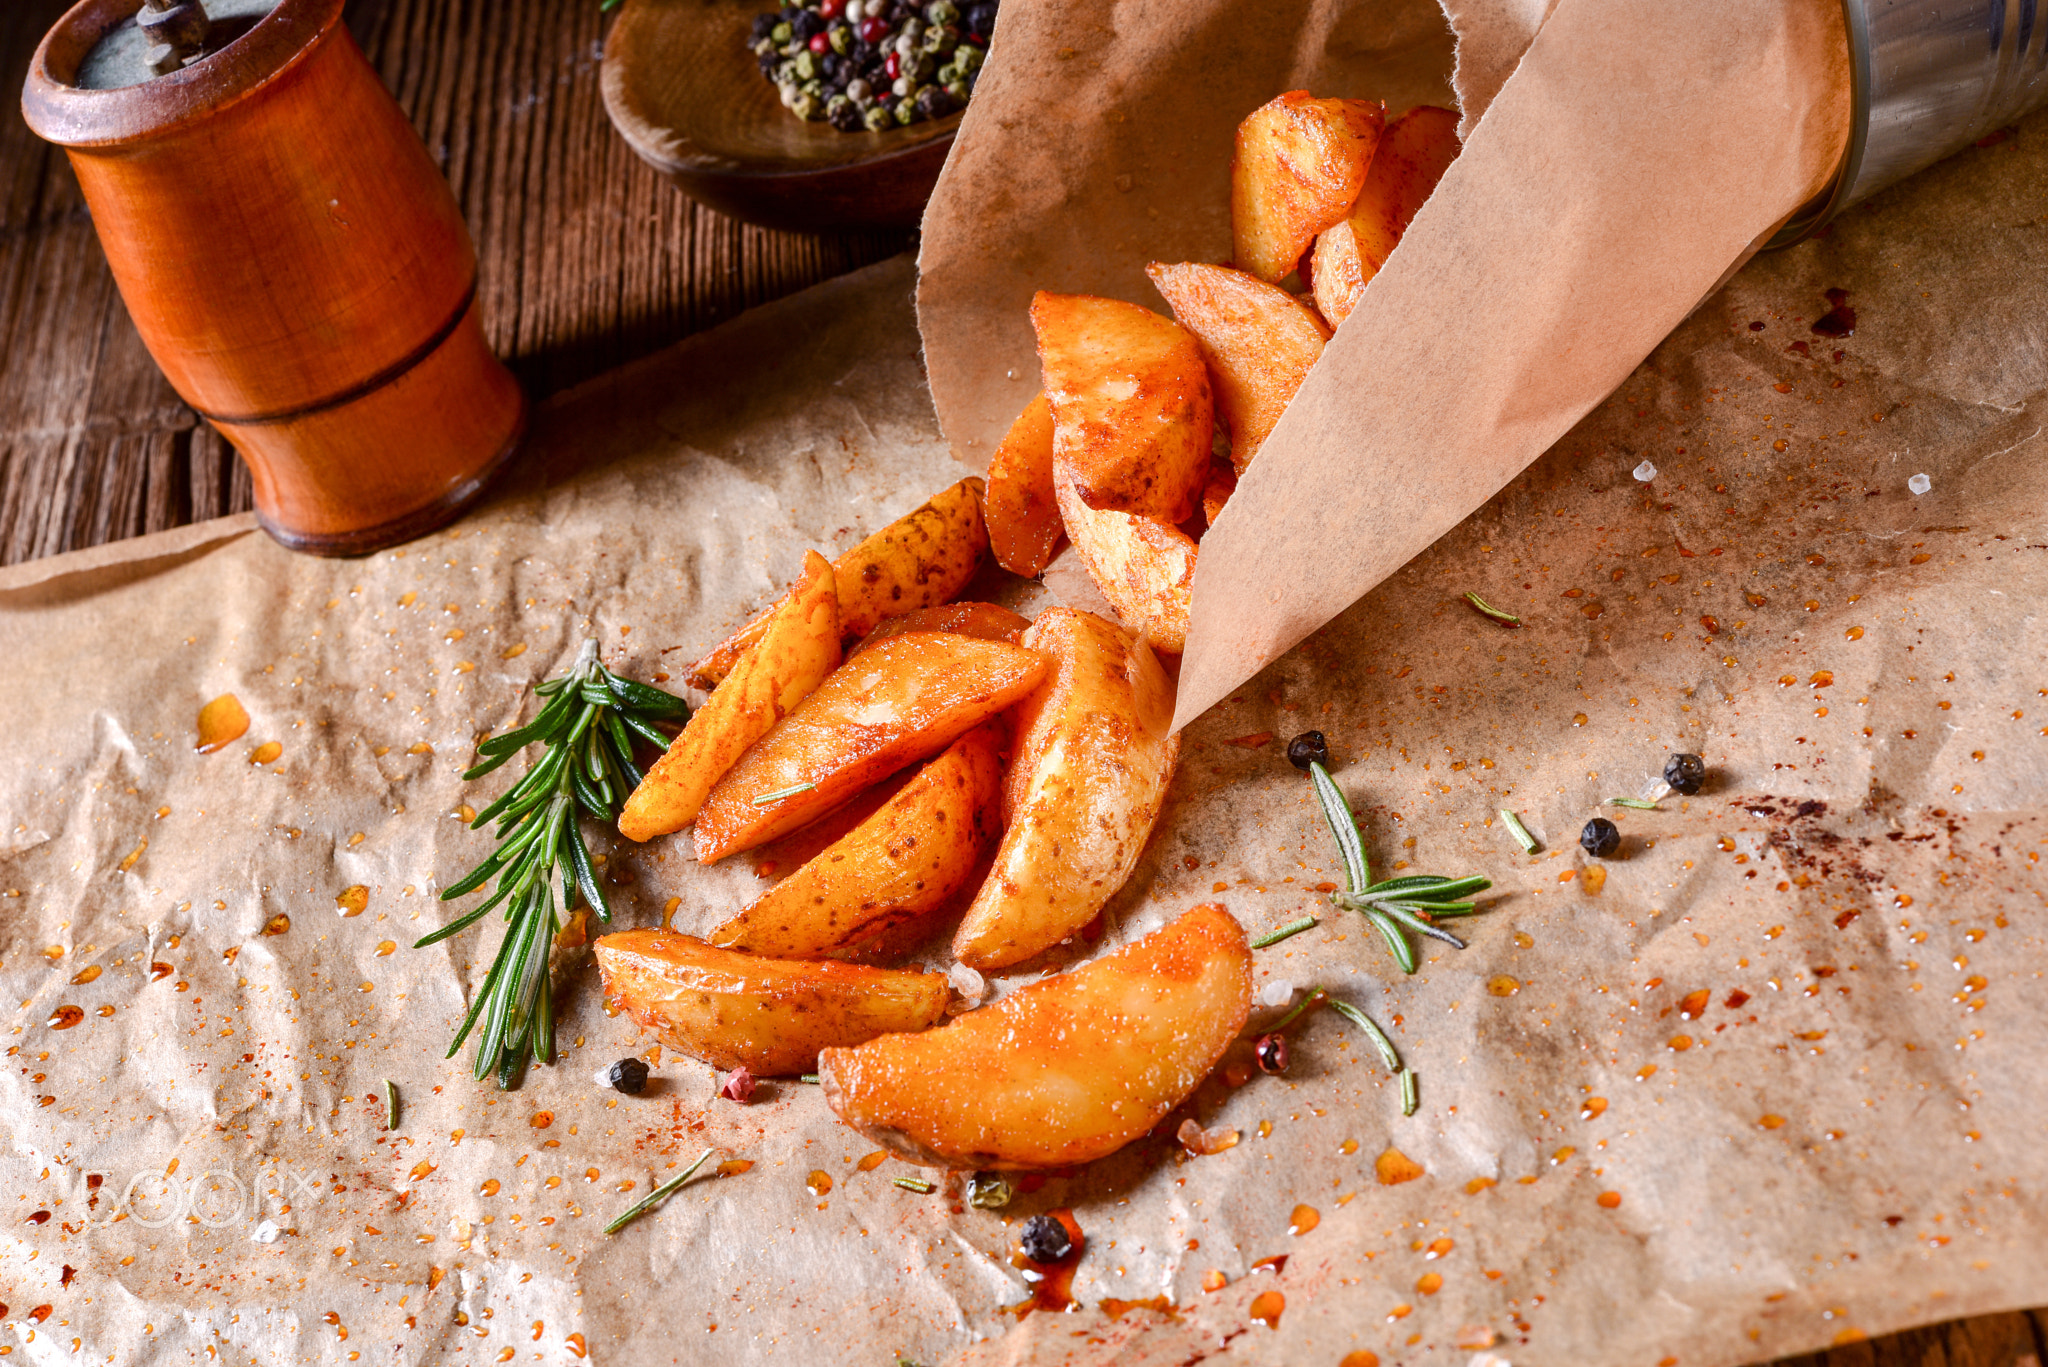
587	260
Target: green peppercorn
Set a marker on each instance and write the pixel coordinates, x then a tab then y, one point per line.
989	1191
958	90
815	89
808	107
764	48
942	12
785	73
807	65
878	117
841	38
906	111
968	58
943	38
780	34
835	103
921	67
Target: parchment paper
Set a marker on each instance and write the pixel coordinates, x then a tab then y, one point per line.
1899	1042
1630	161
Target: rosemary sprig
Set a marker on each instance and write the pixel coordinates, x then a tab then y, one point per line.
1504	618
658	1195
589	725
1394	906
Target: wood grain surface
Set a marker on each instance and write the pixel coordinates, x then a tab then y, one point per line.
588	259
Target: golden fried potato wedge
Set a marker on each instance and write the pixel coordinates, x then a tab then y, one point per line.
901	701
1131	408
1258	339
984	621
1145	568
769	1016
796	650
921	559
1298	165
1413	156
1222	484
1023	523
909	858
1062	1071
1097	755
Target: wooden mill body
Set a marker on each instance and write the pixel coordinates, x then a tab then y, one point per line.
297	265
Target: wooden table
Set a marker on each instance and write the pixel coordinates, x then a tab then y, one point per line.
588	260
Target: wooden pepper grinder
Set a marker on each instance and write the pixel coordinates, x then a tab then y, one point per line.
291	255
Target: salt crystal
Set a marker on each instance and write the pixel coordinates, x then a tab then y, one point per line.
1646	472
1489	1360
1278	992
603	1077
266	1233
1919	484
967	982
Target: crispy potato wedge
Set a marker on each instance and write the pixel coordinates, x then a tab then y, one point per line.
1023	523
921	559
901	701
1413	156
1097	754
1298	165
1258	339
1222	484
909	858
795	651
1131	408
770	1016
1145	568
983	621
1062	1071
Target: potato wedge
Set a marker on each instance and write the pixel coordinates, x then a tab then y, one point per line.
796	650
1023	524
1222	484
1145	568
921	559
1131	408
1298	165
983	621
901	701
769	1016
1098	755
1258	339
909	858
1062	1071
1413	156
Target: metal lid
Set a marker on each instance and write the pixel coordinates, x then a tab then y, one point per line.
163	37
1925	81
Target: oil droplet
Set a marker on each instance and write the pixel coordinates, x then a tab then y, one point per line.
512	652
490	1186
1360	1357
542	1119
1693	1004
1479	1184
1772	1122
419	747
733	1167
1854	633
576	1342
1594	878
873	1160
1595	1107
1822	678
277	925
160	970
820	1182
1304	1219
1578	719
1429	1283
104	1011
1348	1146
1214	1281
64	1017
1608	1200
1438	1248
421	1169
1266	1308
408	598
1562	1156
1394	1167
1678	1044
1850	1335
54	953
434	1275
265	752
386	948
1401	1312
86	974
1501	985
221	722
352	901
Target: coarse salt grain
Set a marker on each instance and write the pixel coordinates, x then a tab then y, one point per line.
1919	484
1646	472
265	1233
967	982
1278	992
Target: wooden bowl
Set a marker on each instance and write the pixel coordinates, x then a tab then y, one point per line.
685	93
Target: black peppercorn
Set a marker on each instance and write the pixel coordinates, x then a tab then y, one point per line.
1045	1240
933	103
1600	838
628	1075
846	117
1685	773
764	24
980	19
1271	1052
807	25
1308	748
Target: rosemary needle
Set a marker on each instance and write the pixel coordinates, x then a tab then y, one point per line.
589	724
1505	618
811	1078
1639	804
1408	1097
1288	931
916	1184
1372	1032
1301	1008
390	1104
659	1194
763	799
1518	831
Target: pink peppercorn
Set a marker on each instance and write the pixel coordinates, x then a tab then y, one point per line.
820	44
873	30
893	64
